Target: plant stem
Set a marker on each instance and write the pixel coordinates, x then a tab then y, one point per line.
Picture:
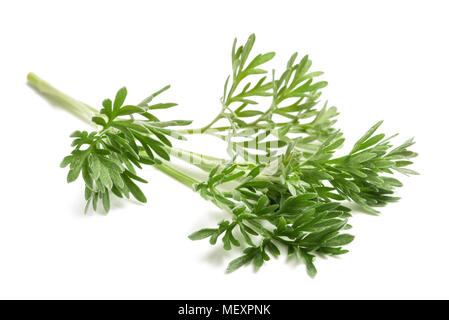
204	162
176	174
74	106
218	117
226	128
200	155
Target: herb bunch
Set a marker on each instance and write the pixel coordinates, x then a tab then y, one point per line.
283	187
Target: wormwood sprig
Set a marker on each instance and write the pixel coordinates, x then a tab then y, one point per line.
107	159
108	162
284	188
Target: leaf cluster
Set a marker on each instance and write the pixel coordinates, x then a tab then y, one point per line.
266	217
279	106
299	208
107	159
364	176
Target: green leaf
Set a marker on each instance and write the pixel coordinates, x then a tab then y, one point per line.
78	134
392	181
95	201
248	113
134	189
124	144
158	149
99	120
233	177
255	184
153	144
161	137
134	177
239	262
226	241
295	203
308	259
107	105
128	110
162	106
233	240
363	157
105	177
73	174
247	49
160	91
372	141
202	234
66	161
258	260
117	192
273	249
334	145
116	179
87	193
245	234
340	240
119	99
86	175
318	85
261	59
95	165
365	137
86	207
406	171
75	168
106	202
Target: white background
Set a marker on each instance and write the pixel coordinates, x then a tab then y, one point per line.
383	60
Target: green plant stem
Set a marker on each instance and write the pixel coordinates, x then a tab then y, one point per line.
72	105
205	128
204	162
200	155
226	128
176	174
213	130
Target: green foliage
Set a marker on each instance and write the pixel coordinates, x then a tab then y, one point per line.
285	190
108	158
268	217
276	106
364	175
299	208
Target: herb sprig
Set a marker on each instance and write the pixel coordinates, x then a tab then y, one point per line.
107	159
284	188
